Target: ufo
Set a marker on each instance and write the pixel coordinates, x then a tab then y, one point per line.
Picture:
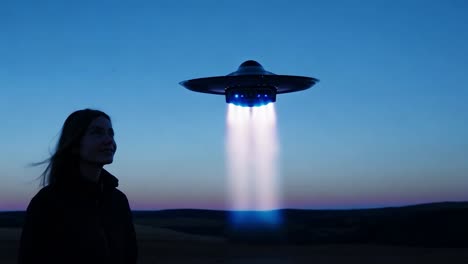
250	85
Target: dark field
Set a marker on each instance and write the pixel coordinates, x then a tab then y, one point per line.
432	233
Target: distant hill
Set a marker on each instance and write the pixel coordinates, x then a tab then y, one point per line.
431	225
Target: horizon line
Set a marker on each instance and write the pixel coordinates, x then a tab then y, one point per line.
282	209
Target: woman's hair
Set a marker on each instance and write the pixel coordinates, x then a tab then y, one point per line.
64	162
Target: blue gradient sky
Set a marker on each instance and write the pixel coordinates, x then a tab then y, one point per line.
387	124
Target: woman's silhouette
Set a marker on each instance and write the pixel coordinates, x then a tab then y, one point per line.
79	216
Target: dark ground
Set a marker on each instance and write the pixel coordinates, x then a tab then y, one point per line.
430	233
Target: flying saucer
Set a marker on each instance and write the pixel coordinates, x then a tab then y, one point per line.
250	85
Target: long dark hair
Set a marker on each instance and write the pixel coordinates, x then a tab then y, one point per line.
64	162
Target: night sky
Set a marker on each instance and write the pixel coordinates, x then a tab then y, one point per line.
386	125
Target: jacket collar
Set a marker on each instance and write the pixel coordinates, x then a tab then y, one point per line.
108	180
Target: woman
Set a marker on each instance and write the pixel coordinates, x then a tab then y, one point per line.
79	216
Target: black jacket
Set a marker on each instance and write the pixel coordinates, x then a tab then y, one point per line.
82	222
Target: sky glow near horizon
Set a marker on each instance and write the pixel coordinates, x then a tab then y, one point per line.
385	126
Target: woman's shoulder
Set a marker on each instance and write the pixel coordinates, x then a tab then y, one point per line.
43	194
119	196
47	196
47	192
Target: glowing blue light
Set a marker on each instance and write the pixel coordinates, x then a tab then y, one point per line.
258	95
256	218
248	103
236	96
266	95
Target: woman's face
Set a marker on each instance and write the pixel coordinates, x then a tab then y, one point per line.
98	145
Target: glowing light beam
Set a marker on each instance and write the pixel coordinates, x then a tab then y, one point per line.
252	150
